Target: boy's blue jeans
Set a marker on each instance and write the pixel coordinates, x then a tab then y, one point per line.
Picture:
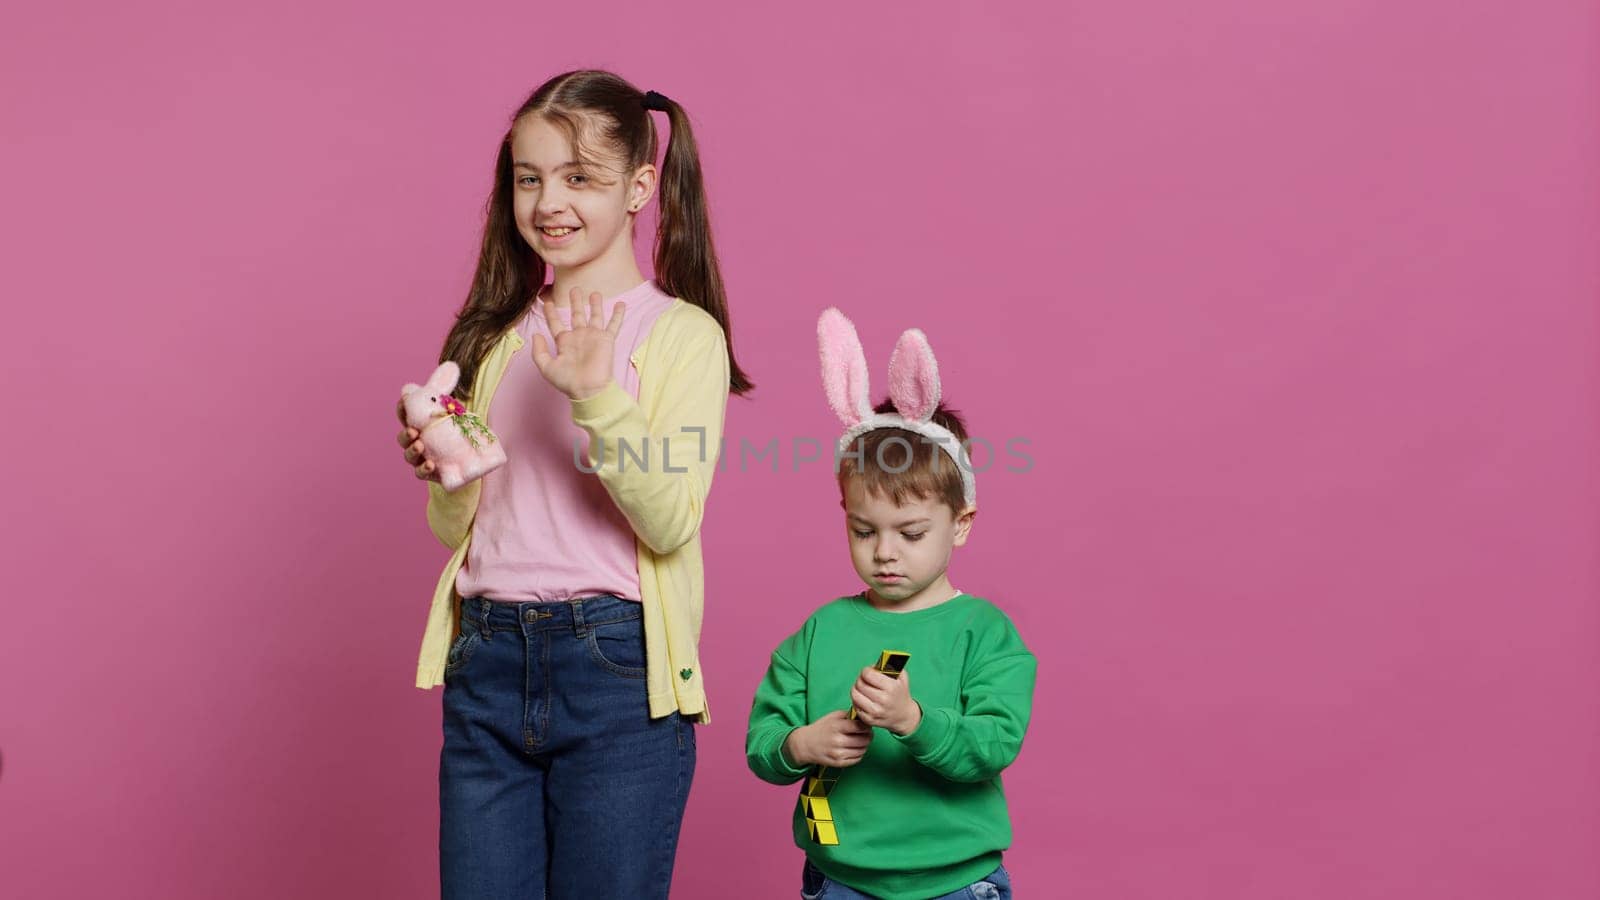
816	886
554	782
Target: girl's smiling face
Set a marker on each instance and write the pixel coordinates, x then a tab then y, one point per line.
572	211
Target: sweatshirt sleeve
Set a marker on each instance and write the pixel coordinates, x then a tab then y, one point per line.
779	708
660	480
982	736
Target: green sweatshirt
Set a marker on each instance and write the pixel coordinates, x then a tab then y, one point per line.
924	814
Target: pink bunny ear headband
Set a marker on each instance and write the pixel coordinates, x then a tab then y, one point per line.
913	388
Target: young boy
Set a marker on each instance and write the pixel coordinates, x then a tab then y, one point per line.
911	805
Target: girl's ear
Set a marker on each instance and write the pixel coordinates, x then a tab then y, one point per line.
844	367
642	187
444	378
914	377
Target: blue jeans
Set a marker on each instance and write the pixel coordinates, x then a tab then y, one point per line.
554	782
816	886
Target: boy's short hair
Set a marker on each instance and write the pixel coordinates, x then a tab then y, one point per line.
883	466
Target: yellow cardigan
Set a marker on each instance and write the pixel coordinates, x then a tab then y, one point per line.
683	384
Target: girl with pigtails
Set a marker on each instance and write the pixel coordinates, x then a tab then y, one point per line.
565	626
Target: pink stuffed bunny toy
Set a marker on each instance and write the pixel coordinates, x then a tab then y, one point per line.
913	389
460	445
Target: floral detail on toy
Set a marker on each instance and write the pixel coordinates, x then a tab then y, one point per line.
472	427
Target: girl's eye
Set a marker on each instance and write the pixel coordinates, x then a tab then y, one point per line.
527	179
581	179
913	537
861	534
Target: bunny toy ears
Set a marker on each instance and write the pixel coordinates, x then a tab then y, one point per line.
913	388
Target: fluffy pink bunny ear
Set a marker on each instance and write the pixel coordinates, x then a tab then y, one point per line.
844	367
445	377
914	377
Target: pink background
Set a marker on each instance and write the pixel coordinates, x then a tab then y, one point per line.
1295	302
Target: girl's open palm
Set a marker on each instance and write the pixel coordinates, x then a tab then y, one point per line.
581	364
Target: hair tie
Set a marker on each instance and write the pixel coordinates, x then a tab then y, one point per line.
655	101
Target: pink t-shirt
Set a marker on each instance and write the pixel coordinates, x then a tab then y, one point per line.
545	529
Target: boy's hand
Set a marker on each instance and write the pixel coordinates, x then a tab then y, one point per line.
886	702
835	740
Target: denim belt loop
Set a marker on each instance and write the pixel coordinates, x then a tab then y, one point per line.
578	626
480	613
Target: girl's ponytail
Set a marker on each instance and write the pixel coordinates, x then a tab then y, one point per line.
685	259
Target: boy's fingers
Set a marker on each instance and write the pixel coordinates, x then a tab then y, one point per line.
878	679
875	694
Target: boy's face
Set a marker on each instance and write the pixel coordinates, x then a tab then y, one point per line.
902	552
